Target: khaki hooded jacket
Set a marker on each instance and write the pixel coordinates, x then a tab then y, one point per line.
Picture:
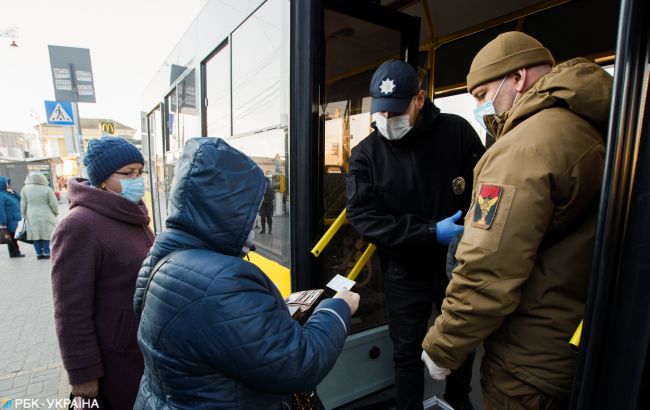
525	256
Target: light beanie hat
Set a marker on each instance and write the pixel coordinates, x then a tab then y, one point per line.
508	52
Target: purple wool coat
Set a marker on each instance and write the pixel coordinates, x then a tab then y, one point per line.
97	250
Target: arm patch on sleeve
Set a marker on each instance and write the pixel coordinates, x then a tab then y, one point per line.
488	214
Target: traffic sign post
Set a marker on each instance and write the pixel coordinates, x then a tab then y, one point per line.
72	74
59	113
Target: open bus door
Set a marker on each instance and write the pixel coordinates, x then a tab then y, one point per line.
336	46
613	370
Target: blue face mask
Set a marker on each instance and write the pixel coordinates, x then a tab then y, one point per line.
132	189
487	109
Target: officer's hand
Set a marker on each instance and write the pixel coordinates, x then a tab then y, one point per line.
447	228
436	372
351	298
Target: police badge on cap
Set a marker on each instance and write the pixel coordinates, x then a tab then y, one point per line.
392	87
458	185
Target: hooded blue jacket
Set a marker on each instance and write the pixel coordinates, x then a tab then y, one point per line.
215	332
9	207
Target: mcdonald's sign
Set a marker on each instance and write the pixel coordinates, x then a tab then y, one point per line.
107	128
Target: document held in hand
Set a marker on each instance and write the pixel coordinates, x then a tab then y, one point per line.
339	282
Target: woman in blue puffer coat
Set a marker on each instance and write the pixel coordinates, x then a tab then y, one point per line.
214	330
10	215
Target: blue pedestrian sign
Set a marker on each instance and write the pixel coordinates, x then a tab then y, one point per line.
59	113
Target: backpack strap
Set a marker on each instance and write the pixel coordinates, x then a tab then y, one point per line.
155	269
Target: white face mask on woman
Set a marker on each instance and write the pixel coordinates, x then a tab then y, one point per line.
393	128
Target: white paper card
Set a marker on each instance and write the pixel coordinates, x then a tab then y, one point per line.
339	282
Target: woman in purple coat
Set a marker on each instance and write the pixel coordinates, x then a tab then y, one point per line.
97	250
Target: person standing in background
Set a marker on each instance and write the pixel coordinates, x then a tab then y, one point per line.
39	207
266	209
10	215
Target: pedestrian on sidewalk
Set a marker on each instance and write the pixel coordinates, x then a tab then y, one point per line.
39	207
10	215
97	251
266	209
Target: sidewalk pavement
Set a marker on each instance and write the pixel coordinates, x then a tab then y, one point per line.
30	361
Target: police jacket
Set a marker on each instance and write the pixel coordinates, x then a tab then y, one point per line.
525	256
215	332
398	190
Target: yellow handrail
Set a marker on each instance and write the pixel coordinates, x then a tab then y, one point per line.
362	262
329	234
575	340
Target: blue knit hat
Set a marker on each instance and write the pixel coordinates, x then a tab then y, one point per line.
106	155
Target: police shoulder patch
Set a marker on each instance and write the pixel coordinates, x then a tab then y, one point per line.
486	205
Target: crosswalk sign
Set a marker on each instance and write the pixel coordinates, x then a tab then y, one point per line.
59	113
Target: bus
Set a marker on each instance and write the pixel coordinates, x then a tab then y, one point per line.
286	82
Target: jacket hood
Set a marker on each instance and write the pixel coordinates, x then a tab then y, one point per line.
81	193
578	85
37	179
3	184
216	193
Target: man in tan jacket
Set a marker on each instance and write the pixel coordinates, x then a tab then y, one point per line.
524	260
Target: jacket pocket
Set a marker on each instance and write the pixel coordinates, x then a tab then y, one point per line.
126	331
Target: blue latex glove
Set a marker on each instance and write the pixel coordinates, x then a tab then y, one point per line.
447	228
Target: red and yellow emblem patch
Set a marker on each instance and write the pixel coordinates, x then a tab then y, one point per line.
486	205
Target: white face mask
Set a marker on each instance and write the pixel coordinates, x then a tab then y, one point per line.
487	109
392	128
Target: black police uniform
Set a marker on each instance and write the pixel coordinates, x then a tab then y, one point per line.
396	192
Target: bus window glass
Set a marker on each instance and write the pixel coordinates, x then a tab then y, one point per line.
172	122
188	114
256	68
463	105
157	174
217	86
172	151
354	49
269	150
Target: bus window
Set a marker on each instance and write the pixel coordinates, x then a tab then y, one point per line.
188	115
463	105
256	68
217	92
269	150
155	159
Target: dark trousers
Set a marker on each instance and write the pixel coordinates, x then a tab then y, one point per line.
14	249
267	219
409	300
42	247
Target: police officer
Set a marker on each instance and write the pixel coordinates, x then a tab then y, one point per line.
407	182
525	256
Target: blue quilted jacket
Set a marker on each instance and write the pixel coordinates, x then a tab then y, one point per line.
214	330
9	207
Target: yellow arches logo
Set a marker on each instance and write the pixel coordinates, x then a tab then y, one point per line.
107	128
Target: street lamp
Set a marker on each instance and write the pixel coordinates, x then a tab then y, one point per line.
12	33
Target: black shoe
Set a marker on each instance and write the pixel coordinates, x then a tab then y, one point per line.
39	256
262	232
20	255
46	256
270	232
